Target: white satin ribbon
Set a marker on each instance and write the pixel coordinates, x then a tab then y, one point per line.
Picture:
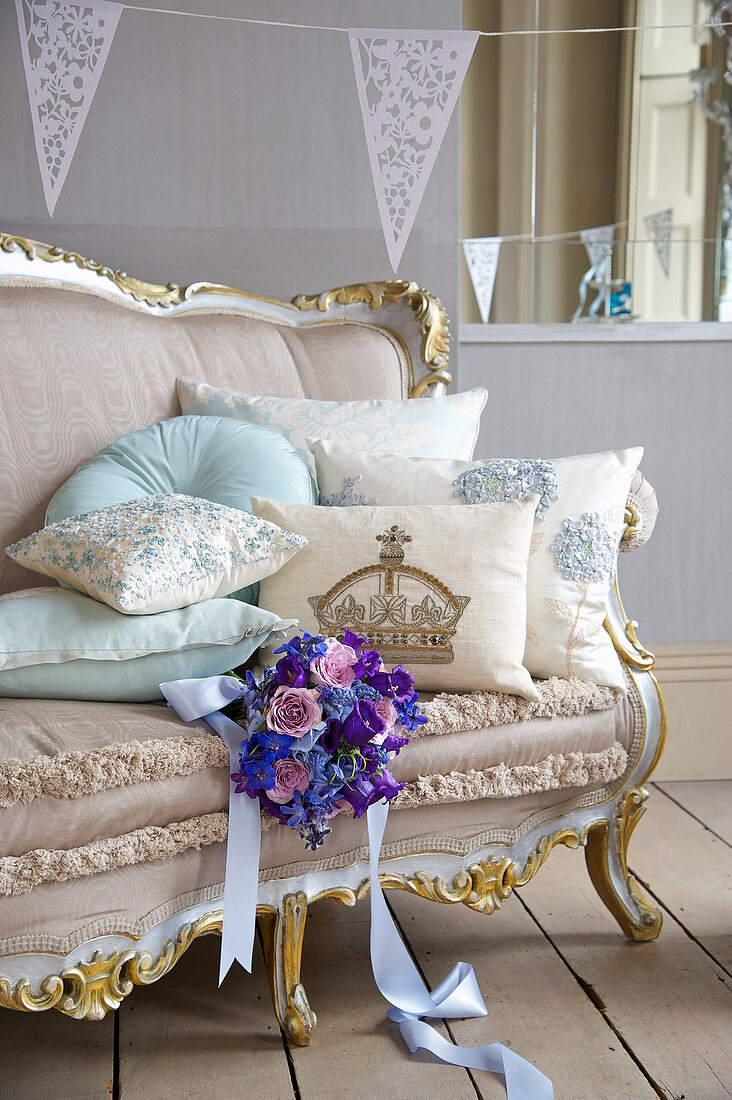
456	997
203	698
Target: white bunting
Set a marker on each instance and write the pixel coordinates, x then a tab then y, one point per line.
408	84
595	241
659	226
481	254
65	46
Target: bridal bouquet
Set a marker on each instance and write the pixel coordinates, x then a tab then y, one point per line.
322	728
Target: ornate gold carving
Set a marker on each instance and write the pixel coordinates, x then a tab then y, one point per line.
20	997
405	612
607	843
633	524
429	314
629	647
282	936
151	293
92	988
482	886
144	970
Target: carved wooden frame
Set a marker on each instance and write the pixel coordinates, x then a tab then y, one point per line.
97	982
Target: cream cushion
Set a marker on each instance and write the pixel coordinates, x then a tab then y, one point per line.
410	579
442	427
572	559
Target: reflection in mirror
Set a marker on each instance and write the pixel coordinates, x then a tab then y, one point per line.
569	132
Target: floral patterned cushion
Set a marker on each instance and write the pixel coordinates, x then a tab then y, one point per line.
577	527
158	553
444	427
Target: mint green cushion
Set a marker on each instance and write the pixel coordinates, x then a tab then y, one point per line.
59	644
215	458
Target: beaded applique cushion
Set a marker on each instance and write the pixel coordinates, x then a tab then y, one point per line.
158	553
578	523
442	427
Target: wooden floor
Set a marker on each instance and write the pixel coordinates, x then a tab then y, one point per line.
603	1017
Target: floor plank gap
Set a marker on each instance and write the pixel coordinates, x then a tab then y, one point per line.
597	1002
670	913
115	1058
670	797
423	976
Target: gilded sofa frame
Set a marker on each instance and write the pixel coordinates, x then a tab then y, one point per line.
96	976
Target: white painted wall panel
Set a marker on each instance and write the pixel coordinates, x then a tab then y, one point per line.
559	389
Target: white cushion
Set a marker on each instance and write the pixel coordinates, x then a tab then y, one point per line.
573	557
442	427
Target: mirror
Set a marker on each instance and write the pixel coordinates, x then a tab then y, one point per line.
568	132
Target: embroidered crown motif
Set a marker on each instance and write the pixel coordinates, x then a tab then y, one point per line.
405	612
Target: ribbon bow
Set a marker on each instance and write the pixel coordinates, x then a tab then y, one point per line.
456	997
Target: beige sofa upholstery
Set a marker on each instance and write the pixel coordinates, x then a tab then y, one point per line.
112	816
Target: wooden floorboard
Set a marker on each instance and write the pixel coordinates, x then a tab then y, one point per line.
357	1051
530	995
667	998
689	869
709	800
47	1055
183	1037
604	1018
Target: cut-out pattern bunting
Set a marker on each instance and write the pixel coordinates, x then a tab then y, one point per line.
408	84
595	241
659	227
481	254
65	46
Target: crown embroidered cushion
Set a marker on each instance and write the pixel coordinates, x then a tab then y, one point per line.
158	553
409	580
578	524
59	644
441	427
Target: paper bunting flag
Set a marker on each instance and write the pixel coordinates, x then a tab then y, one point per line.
408	84
595	241
481	254
659	226
65	46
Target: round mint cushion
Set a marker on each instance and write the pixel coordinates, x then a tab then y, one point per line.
215	458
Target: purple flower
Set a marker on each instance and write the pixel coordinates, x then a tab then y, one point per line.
360	793
386	785
291	672
397	684
335	667
290	776
363	723
294	711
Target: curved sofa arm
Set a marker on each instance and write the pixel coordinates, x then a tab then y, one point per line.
640	513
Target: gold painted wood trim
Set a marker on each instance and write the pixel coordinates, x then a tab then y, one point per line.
429	313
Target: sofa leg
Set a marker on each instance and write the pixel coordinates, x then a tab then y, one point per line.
283	934
606	854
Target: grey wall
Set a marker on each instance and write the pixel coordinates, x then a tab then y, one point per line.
555	390
229	152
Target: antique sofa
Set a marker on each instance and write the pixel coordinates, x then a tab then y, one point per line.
89	353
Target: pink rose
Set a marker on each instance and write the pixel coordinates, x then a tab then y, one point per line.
386	710
335	667
290	776
293	711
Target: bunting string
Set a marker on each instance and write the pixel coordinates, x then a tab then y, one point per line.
482	34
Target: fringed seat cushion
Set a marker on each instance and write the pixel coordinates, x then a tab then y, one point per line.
87	789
